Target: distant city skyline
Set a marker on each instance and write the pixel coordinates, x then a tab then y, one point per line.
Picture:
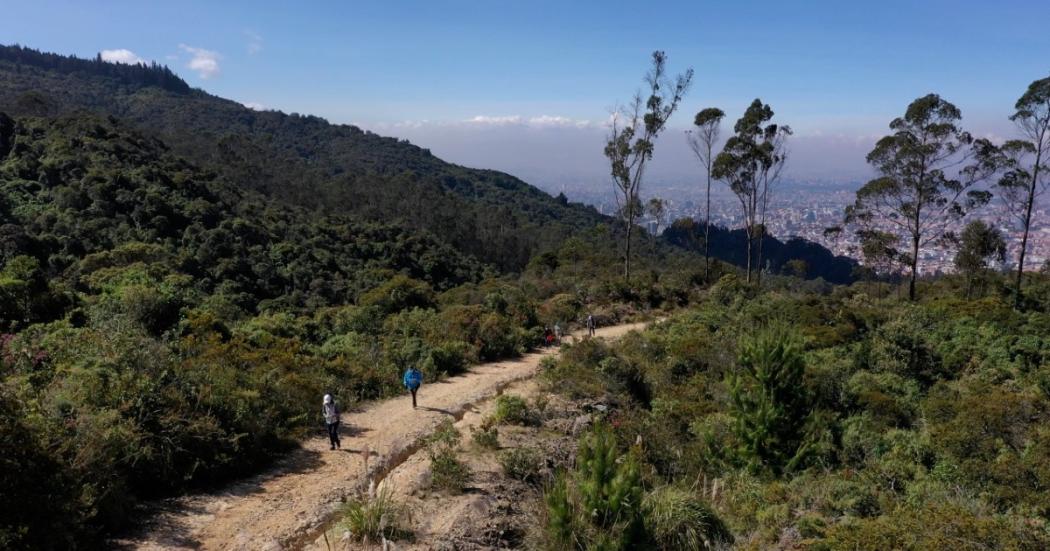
525	87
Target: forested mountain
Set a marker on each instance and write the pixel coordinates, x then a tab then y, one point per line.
301	159
798	257
162	328
83	198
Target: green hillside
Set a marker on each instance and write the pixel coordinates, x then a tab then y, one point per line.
302	159
162	328
83	195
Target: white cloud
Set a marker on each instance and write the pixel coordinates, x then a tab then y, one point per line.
121	55
255	42
204	62
501	120
254	106
558	122
542	121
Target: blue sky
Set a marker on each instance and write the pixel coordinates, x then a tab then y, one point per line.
440	72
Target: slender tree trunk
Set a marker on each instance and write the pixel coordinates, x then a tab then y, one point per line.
748	279
914	265
758	256
1027	226
627	247
707	227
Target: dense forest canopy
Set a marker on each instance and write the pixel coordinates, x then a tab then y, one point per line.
162	328
82	196
795	256
302	159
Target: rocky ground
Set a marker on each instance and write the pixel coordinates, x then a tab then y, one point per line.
495	510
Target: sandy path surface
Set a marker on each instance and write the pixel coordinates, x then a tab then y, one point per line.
289	506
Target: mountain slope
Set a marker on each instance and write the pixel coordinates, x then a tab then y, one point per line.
82	195
302	159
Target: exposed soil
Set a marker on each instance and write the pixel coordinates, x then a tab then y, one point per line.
494	511
292	505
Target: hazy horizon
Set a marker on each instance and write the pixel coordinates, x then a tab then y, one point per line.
526	88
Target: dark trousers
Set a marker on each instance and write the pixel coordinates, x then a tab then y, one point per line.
413	391
333	433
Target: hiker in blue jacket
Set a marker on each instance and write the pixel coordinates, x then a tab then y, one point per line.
412	380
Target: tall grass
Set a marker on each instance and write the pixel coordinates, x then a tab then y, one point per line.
376	518
679	519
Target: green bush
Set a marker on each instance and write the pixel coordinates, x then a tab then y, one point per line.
522	464
447	472
679	519
372	519
512	410
769	401
598	506
486	435
937	527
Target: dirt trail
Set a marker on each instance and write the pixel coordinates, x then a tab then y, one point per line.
291	504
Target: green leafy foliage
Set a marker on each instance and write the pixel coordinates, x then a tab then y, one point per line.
770	405
599	505
522	464
447	472
302	159
512	410
849	423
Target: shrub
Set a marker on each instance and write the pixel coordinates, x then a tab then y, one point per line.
512	410
942	526
679	519
371	519
521	464
486	435
769	401
599	505
447	472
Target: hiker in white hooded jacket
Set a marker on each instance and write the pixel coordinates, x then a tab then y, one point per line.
331	420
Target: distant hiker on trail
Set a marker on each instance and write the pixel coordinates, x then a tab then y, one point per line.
331	420
412	380
591	324
557	333
548	336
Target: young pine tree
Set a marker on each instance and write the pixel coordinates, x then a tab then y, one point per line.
600	505
770	404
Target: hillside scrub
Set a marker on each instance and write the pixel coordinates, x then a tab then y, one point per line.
887	424
163	330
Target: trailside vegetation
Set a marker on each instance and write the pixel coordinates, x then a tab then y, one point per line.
163	329
835	421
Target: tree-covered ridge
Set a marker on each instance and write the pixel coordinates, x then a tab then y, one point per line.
307	161
133	74
83	197
795	256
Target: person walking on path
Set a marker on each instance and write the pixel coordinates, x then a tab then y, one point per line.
591	325
557	333
331	420
412	380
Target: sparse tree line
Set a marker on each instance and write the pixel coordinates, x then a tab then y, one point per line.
931	175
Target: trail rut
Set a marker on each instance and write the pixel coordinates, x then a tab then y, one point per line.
291	504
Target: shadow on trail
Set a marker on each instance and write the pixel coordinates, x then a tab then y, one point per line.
171	531
437	410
